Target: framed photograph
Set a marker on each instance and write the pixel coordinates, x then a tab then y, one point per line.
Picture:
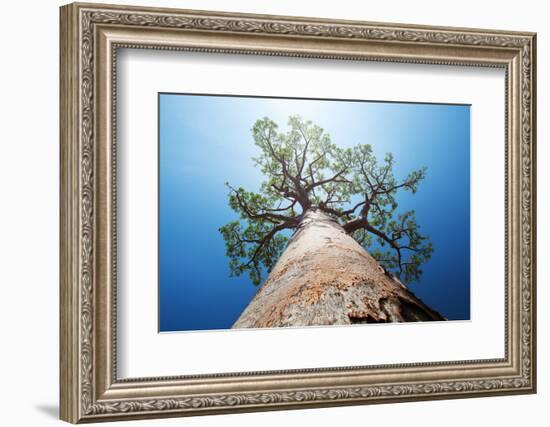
266	212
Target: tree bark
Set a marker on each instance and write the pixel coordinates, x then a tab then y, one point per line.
324	277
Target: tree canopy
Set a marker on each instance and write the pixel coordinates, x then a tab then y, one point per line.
304	170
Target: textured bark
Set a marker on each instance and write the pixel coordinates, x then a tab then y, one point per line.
324	277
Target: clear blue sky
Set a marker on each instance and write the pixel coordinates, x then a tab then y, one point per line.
206	141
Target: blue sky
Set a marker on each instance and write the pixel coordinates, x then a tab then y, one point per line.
205	141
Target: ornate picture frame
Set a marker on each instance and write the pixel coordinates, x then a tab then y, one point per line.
90	37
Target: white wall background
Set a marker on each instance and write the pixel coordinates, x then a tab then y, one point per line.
29	170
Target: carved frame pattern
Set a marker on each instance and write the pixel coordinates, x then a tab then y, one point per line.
80	22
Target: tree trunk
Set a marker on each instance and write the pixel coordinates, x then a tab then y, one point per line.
324	277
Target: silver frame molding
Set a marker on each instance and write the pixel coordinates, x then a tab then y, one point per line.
90	37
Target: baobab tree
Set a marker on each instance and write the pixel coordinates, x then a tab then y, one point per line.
324	226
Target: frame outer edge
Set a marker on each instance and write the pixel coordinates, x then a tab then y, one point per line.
305	19
68	227
77	339
534	269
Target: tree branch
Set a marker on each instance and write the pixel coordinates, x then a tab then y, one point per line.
269	216
328	180
267	238
304	152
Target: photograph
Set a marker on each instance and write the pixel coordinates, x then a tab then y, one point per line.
296	212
